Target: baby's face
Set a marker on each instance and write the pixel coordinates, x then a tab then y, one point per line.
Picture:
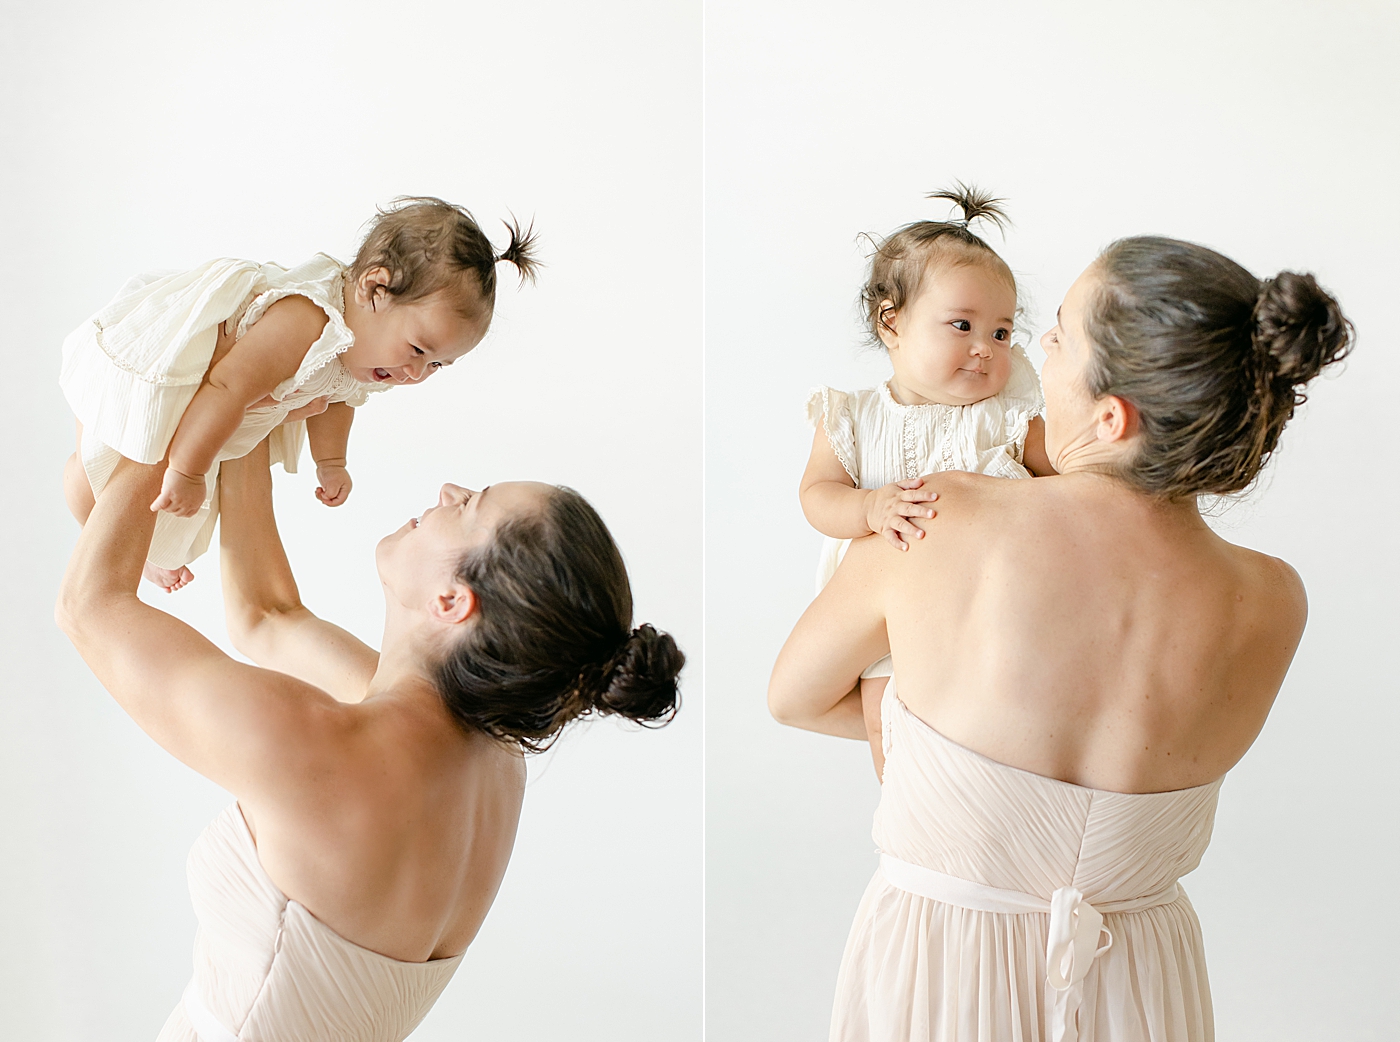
406	343
952	343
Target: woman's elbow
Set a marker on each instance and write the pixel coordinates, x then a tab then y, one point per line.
243	631
781	706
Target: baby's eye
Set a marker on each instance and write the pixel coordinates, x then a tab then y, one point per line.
435	365
416	350
1001	334
962	325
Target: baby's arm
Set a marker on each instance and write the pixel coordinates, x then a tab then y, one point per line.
329	434
835	507
268	353
1034	457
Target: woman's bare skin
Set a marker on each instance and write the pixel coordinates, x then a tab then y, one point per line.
1070	626
369	804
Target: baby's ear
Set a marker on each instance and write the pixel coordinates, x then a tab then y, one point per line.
887	324
372	287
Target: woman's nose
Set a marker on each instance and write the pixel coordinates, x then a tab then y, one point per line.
453	494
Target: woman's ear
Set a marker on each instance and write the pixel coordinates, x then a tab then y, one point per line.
455	606
886	325
1115	419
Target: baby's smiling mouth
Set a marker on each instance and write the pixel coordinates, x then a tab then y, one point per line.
381	374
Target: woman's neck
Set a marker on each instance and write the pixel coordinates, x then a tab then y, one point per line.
405	657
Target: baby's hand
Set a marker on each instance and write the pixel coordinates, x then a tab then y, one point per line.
335	483
180	494
887	510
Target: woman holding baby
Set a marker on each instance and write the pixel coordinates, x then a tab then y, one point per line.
1077	661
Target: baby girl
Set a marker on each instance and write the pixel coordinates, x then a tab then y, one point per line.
941	302
198	367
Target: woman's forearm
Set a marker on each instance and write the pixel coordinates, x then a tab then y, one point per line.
111	550
844	719
257	577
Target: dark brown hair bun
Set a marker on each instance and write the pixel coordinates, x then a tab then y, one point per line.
1299	329
1214	361
640	680
554	639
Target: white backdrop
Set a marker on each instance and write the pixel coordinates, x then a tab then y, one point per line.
1267	130
165	134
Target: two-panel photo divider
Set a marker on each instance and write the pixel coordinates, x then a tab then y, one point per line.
708	522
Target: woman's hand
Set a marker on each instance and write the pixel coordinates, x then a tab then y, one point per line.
889	508
180	494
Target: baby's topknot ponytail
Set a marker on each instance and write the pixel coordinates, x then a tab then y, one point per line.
521	250
975	204
899	263
427	246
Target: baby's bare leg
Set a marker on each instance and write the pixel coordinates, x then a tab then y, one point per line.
77	490
872	690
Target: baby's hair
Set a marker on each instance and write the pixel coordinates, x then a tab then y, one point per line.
428	245
899	263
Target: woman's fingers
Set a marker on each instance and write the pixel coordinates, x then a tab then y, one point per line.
312	408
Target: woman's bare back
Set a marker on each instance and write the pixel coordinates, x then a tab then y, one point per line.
404	852
1075	628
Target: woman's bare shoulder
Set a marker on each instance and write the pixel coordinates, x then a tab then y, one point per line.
1278	588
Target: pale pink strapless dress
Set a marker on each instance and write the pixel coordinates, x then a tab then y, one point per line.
267	970
983	867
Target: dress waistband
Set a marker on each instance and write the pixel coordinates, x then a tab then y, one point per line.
208	1027
1075	926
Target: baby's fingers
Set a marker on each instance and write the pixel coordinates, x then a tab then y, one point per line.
162	501
918	495
900	530
914	510
910	483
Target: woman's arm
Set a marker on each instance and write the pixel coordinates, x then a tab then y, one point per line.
265	617
251	731
268	353
815	680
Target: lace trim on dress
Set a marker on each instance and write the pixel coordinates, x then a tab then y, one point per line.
335	338
832	411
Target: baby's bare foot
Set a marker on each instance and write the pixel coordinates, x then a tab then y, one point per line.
168	579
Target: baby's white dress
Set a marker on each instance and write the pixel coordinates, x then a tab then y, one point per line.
131	370
879	441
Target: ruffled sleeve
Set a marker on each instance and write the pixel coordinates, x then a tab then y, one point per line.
831	411
1022	400
320	281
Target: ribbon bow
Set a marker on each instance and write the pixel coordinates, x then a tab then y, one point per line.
1073	945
